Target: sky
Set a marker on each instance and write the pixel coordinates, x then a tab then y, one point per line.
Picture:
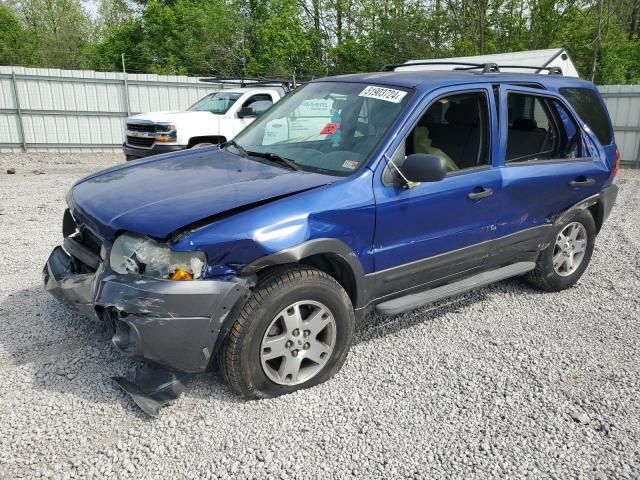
91	6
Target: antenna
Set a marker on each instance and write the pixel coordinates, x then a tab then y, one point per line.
126	86
408	182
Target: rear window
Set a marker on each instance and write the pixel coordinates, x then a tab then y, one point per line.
591	110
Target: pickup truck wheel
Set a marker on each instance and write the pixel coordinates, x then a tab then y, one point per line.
294	332
563	262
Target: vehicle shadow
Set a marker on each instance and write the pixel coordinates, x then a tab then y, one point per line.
375	326
65	353
68	354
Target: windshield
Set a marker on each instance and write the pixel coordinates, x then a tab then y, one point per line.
326	127
217	103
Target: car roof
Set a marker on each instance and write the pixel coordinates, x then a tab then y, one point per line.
423	80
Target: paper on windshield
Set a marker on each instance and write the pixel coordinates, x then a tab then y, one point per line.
381	93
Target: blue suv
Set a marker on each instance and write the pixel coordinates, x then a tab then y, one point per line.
380	191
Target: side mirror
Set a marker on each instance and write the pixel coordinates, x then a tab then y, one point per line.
245	112
422	167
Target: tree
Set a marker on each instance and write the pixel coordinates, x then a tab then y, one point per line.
127	38
112	14
192	36
59	29
284	46
310	38
15	44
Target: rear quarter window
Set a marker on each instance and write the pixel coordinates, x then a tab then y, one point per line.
588	105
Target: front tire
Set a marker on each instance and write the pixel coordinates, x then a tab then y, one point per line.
294	332
563	262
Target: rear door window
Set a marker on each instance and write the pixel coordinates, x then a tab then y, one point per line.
587	104
532	134
540	128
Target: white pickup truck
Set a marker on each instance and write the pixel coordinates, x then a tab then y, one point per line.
214	119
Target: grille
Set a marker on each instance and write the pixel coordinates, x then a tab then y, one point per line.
68	224
91	241
86	258
141	127
139	142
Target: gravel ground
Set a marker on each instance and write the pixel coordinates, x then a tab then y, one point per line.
505	381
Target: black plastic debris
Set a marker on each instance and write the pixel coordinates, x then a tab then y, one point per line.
153	386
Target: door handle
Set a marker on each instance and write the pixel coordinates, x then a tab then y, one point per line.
476	195
582	182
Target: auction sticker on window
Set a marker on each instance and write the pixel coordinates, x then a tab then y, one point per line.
350	164
381	93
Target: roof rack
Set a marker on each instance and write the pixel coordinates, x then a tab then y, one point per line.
288	85
486	67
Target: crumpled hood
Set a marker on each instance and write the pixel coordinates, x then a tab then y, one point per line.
160	195
174	117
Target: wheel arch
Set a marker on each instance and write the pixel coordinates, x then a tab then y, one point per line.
597	212
592	204
595	205
215	139
334	265
329	255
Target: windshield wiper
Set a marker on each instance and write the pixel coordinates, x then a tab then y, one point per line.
232	143
273	157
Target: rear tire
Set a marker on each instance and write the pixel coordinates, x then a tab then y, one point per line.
308	319
563	262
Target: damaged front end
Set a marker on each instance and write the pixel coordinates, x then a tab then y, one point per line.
162	320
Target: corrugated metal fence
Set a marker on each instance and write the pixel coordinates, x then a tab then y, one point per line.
78	110
60	110
623	102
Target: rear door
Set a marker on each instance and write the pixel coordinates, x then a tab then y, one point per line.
548	162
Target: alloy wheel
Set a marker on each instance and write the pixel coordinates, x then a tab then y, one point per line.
298	343
570	248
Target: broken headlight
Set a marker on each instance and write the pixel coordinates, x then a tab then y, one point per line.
132	253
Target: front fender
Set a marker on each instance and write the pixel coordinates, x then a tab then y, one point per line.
336	219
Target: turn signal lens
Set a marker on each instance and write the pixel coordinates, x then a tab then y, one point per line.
181	275
616	169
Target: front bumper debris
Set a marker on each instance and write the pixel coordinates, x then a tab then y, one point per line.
175	324
152	386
